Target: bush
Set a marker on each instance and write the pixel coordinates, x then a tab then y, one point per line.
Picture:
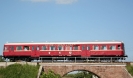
1	59
19	71
50	74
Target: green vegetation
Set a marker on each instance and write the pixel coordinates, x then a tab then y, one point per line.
50	74
31	71
1	59
19	71
130	69
81	74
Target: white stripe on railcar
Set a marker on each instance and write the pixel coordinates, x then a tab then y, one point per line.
63	43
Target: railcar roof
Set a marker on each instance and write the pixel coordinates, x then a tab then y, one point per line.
87	42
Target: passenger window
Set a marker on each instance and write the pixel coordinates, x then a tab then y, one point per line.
88	47
19	48
75	47
32	47
37	48
52	47
60	47
83	47
12	48
112	47
70	47
119	47
67	47
26	48
103	47
96	47
44	47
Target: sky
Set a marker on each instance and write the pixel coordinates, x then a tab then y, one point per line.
67	20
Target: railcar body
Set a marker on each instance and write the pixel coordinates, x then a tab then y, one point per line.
28	51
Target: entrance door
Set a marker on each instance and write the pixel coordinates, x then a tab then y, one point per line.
83	48
88	50
11	50
35	50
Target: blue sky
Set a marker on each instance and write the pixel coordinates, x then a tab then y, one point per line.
67	20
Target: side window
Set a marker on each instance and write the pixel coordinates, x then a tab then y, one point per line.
66	47
75	47
32	47
12	47
26	48
19	48
88	47
112	47
60	47
103	47
44	48
83	47
96	47
37	48
119	47
70	47
52	47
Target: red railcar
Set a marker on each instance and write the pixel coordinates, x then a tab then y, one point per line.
63	49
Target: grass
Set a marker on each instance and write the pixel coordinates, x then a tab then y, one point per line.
19	71
130	69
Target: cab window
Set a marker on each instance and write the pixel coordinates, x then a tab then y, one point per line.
119	47
5	48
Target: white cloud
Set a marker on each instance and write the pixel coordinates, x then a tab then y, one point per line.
65	1
56	1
